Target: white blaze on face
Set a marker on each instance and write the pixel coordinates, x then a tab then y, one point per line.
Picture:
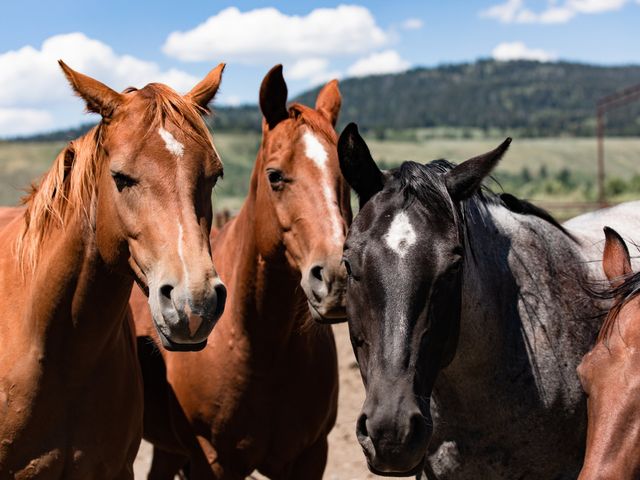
173	145
401	234
317	153
181	255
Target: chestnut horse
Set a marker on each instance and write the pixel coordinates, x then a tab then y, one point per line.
121	203
609	374
263	394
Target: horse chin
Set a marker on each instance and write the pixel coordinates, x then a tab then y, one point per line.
409	473
172	346
336	315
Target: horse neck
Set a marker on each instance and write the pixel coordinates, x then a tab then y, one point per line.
80	303
522	300
266	302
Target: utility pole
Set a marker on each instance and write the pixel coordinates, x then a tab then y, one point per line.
605	104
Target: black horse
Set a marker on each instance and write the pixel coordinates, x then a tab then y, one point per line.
474	301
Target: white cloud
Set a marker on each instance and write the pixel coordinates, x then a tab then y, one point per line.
265	35
515	11
315	70
388	61
307	67
555	15
414	23
231	100
21	121
33	86
519	51
31	76
595	6
504	12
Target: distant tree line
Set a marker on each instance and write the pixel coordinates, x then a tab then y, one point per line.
524	98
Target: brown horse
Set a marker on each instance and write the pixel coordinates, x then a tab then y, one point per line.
263	394
609	375
121	203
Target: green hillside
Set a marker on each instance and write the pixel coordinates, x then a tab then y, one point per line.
522	98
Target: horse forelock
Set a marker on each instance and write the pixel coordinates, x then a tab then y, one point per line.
67	190
167	105
426	184
313	119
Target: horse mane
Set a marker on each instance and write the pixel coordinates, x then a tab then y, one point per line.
621	294
314	119
67	190
425	182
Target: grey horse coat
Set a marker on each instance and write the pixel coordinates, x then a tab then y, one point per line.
510	404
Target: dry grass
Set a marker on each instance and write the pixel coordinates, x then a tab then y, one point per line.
21	163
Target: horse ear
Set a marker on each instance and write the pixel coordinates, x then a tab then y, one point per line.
206	89
273	97
465	179
329	101
616	262
98	97
357	165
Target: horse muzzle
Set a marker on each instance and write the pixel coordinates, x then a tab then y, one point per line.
325	289
184	320
394	440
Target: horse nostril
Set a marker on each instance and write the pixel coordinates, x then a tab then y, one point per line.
316	272
221	299
417	429
166	290
361	426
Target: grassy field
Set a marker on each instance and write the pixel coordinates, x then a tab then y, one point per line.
577	154
547	169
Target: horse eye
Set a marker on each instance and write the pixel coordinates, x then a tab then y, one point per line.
347	265
122	181
275	178
357	341
455	266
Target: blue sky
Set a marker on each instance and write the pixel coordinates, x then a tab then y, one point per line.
125	43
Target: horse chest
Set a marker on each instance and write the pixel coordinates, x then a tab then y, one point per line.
477	437
79	434
267	416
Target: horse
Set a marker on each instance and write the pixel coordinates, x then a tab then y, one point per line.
263	394
123	203
608	373
473	300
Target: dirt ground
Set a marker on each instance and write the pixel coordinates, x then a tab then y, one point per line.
346	460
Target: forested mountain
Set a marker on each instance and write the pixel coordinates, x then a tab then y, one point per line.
536	99
522	97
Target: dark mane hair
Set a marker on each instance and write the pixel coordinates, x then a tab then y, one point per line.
621	294
425	183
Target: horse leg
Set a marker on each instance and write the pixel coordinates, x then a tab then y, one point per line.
126	474
165	465
202	464
429	474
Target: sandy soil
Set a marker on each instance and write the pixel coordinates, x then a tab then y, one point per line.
346	460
